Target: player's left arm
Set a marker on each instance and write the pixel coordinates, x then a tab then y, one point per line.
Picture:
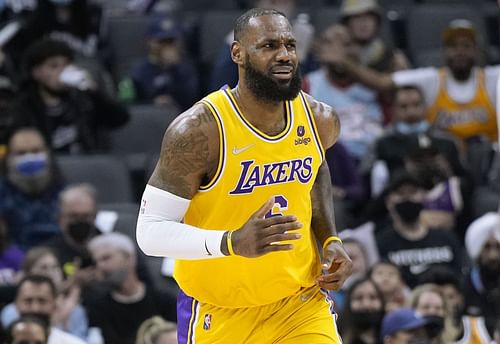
335	262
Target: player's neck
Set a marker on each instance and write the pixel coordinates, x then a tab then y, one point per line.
260	114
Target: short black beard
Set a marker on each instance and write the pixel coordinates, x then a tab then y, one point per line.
267	89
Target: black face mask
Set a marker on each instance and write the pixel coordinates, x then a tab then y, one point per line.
44	318
367	319
80	231
408	211
435	326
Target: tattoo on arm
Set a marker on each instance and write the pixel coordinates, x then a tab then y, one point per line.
323	223
327	122
185	155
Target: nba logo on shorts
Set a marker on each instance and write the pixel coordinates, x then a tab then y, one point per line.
207	322
301	130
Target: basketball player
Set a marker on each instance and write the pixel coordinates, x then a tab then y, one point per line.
244	170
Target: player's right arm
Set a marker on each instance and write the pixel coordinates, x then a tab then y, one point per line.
188	158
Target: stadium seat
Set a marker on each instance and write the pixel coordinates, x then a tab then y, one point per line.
127	42
214	27
426	22
107	173
142	135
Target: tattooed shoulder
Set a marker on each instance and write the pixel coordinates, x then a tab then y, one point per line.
189	147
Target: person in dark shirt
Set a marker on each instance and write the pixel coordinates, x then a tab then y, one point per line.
408	242
166	76
128	302
61	100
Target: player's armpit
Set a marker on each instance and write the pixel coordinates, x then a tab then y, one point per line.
189	153
327	121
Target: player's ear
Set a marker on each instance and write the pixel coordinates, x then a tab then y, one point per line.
236	53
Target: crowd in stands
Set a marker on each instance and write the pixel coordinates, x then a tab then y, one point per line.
415	173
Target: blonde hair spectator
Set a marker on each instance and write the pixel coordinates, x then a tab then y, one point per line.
156	330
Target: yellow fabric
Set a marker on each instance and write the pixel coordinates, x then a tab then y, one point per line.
305	317
477	117
254	167
475	331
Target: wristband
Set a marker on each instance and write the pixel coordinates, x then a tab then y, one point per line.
230	243
330	239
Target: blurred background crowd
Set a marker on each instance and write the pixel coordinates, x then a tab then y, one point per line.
87	89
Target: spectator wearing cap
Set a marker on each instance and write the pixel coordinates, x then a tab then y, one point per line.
363	19
404	326
61	100
407	241
482	285
461	96
166	76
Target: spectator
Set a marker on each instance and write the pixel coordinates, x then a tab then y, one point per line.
469	329
429	302
156	330
69	315
27	330
482	285
445	204
408	242
36	295
10	257
29	191
363	19
77	23
166	77
77	211
409	131
128	302
358	108
362	315
76	216
356	252
404	326
461	97
60	99
389	280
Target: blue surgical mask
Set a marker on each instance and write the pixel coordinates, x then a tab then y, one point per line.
412	128
31	164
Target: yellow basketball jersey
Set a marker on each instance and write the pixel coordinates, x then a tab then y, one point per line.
475	331
476	117
253	167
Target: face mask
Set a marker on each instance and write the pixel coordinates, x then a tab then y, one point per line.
367	319
435	326
116	278
412	128
408	211
31	164
80	231
44	318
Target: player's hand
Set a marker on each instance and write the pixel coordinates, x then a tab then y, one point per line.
262	235
336	265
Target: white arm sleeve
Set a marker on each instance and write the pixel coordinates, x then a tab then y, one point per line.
160	233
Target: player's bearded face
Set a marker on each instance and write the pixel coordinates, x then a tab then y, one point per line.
265	87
